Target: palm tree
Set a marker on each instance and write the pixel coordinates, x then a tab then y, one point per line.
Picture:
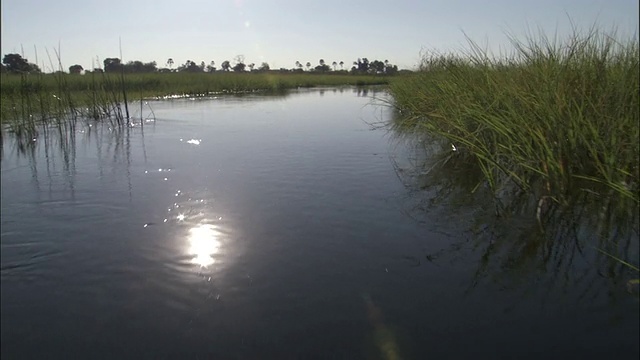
211	67
341	65
170	63
308	65
334	65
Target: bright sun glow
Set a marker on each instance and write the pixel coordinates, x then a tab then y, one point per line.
204	243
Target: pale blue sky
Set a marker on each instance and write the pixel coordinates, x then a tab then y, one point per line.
281	32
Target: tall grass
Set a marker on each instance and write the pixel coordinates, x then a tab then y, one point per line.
27	100
87	89
552	119
194	83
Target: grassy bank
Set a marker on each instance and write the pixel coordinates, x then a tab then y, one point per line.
553	119
44	96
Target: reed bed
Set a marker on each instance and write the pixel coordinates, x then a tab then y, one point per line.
29	100
553	119
91	88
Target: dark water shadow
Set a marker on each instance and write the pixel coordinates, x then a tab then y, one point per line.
512	239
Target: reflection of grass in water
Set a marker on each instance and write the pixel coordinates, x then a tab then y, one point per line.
632	285
619	260
516	249
56	144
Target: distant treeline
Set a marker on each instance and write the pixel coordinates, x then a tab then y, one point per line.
15	63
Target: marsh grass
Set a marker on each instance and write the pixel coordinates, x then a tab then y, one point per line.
579	243
30	100
553	119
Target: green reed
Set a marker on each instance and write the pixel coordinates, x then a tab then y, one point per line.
27	99
554	118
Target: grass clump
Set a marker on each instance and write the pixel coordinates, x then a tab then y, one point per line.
553	118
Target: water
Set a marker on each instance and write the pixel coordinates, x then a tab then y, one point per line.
273	227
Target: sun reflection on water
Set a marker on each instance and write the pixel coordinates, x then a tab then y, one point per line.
204	243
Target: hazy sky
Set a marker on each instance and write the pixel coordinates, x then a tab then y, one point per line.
281	32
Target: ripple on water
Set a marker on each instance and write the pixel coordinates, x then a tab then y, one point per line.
27	261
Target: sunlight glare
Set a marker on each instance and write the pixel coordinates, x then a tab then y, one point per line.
204	243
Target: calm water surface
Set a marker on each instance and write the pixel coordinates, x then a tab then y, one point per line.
269	227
